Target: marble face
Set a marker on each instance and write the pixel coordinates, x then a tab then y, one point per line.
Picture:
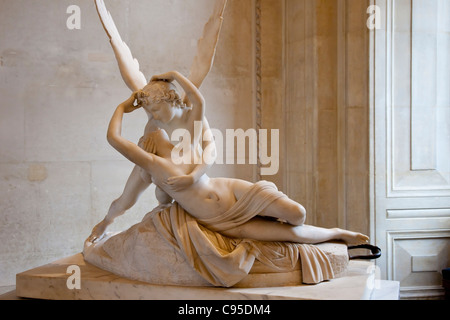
162	111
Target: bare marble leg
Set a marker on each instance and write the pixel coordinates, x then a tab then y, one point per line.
266	230
135	186
287	210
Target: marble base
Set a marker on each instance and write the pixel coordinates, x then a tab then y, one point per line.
50	282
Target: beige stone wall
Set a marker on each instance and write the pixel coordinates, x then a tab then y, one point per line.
58	89
315	85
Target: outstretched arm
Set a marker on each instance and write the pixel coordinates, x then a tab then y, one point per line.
128	149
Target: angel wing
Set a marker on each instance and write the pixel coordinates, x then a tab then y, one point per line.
207	44
129	67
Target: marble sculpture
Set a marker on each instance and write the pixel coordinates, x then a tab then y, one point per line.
205	231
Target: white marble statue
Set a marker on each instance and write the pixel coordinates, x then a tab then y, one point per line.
140	180
220	226
209	200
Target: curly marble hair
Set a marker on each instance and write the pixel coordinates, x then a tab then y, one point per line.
157	91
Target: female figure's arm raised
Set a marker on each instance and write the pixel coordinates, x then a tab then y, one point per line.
196	99
128	149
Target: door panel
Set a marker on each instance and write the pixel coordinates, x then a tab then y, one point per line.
412	142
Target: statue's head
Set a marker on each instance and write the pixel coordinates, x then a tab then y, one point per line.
161	99
157	91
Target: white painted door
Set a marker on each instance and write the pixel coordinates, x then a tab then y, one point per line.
411	121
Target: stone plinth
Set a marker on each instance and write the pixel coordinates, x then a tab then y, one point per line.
50	282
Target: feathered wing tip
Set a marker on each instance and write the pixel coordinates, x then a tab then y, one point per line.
206	47
129	66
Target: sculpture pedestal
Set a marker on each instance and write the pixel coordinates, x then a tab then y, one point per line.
50	282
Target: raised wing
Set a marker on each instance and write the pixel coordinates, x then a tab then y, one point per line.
129	67
206	47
